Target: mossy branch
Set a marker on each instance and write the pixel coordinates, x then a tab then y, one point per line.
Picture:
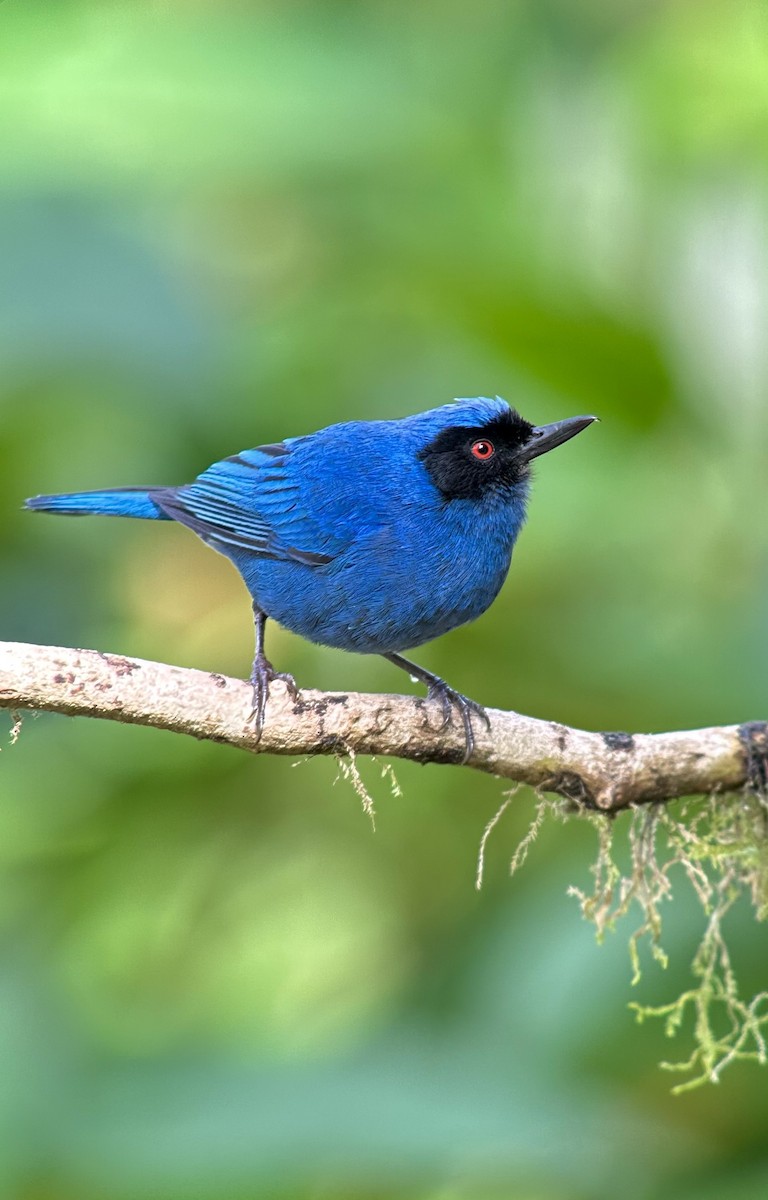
605	771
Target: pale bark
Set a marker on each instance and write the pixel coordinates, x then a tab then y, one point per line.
605	770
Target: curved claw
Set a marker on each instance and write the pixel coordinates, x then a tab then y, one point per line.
451	700
262	675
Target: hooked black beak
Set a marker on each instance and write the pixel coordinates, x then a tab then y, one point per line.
546	437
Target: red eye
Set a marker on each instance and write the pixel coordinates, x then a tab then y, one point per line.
483	450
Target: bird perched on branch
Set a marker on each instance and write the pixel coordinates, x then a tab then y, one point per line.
371	536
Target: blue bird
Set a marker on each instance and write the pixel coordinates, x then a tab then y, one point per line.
371	536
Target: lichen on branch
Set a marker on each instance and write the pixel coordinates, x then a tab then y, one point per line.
718	845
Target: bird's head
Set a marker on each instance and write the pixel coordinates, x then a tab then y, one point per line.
485	447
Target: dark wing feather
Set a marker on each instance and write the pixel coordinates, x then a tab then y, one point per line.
251	501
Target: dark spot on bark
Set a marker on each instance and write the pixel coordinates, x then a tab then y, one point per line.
572	787
561	734
618	741
436	755
121	666
453	755
68	678
318	708
329	742
382	719
219	680
753	736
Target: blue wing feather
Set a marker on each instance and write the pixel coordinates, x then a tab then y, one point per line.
251	501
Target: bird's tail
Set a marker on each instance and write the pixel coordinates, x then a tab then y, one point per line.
117	502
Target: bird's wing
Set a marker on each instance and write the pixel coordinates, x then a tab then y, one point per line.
252	501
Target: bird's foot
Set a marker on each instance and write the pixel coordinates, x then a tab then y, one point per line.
451	701
262	675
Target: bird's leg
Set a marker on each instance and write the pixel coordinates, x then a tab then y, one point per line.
263	674
438	689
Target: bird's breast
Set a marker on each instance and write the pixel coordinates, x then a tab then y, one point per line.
399	583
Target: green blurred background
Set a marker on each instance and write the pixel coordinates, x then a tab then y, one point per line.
222	223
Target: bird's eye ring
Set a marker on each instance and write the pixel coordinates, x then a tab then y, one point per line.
483	450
